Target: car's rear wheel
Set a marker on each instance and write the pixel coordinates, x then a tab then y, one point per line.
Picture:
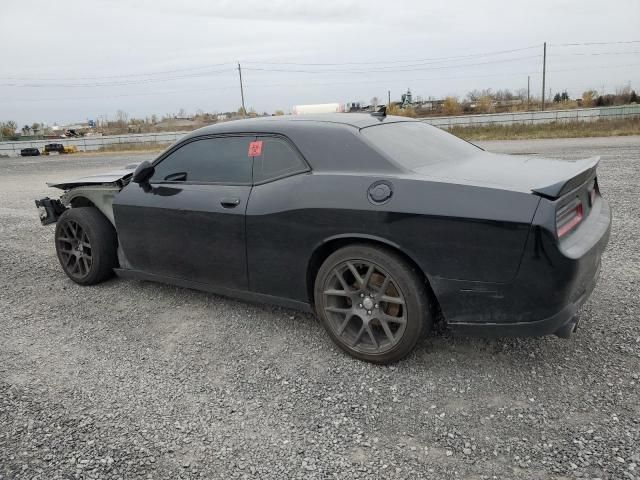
86	245
372	303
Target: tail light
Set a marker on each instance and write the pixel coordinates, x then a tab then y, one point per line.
568	217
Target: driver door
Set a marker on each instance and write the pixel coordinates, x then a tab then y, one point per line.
188	222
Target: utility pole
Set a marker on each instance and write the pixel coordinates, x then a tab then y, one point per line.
244	110
544	70
528	90
389	98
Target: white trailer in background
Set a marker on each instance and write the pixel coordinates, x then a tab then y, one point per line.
317	108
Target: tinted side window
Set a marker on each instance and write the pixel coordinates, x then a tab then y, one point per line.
223	160
277	159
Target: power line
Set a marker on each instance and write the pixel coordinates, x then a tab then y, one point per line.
350	82
161	72
221	71
146	94
233	87
596	66
388	70
385	64
433	59
423	79
593	43
124	75
115	84
405	67
594	53
386	80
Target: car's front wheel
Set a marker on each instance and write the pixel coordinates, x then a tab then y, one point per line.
86	245
372	303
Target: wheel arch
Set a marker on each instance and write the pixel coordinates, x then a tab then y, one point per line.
98	196
332	244
81	201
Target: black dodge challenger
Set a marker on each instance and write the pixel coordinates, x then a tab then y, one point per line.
379	224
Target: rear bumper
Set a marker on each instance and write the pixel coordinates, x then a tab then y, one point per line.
553	282
547	326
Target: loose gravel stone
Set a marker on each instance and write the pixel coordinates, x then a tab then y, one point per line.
135	380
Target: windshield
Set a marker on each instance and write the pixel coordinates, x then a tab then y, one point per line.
417	144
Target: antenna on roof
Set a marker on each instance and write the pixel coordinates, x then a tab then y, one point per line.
381	112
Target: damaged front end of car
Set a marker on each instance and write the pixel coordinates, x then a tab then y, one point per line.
49	210
98	191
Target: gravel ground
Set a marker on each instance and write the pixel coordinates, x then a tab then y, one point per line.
138	380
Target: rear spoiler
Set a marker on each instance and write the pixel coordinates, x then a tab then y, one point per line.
584	170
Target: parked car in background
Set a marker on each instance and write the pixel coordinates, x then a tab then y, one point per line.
29	152
53	148
378	224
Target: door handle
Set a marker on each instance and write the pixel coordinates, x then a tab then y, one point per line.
230	202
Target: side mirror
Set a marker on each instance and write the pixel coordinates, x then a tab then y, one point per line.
143	172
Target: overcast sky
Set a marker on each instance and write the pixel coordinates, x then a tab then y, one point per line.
81	59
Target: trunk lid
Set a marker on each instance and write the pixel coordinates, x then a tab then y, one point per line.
549	178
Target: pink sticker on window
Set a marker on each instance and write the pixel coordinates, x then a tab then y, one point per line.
255	148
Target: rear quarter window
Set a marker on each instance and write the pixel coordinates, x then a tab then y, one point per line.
277	159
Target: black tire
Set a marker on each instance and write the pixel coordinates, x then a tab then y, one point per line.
367	316
86	244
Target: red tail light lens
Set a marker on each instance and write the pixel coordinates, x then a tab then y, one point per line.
568	217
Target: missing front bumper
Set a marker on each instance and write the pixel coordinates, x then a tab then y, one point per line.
49	210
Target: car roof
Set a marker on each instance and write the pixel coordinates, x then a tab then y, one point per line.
329	142
284	123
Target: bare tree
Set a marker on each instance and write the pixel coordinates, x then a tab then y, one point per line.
484	104
451	106
474	95
8	129
588	98
521	93
122	118
375	101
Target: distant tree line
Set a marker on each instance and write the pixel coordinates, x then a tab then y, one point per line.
505	100
475	101
623	96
